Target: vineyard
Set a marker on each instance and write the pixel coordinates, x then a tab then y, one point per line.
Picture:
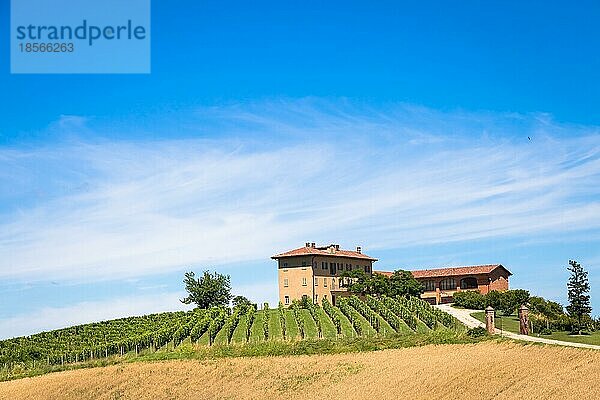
351	317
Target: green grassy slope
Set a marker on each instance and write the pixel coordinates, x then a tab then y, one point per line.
239	335
329	331
159	332
274	325
310	327
291	326
257	328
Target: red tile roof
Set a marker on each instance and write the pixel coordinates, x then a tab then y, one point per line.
453	271
323	251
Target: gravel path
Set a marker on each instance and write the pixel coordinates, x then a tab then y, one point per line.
464	316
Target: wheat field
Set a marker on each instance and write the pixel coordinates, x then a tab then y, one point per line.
487	370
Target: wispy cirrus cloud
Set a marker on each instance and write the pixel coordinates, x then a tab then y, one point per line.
272	175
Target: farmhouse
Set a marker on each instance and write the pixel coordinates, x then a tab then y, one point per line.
315	272
441	283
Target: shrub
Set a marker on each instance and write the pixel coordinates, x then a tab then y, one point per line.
471	300
477	332
265	325
330	311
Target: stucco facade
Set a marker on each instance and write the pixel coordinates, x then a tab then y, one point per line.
315	272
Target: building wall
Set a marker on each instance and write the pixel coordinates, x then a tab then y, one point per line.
295	288
496	280
312	268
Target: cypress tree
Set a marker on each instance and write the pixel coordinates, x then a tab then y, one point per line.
579	299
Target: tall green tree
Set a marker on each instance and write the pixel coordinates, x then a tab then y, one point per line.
511	300
210	290
241	302
403	283
579	298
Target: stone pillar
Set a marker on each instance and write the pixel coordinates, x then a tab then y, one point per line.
524	320
489	320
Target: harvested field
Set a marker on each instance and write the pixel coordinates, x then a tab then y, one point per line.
479	371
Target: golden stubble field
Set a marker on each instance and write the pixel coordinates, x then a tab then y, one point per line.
481	371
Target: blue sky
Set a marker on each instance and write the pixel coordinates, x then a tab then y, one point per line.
399	127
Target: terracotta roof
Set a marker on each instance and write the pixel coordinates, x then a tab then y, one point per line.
323	251
453	271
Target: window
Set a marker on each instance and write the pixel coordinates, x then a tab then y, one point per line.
303	281
284	264
366	268
333	283
325	296
304	263
316	281
324	282
285	282
287	299
317	298
448	284
323	265
348	267
468	283
429	286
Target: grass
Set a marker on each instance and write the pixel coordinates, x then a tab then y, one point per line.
291	326
511	324
508	323
256	334
367	329
310	328
329	331
239	335
592	338
275	332
431	372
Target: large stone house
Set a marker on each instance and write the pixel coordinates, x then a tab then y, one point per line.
314	272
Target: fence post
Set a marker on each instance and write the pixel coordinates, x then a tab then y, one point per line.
524	320
489	320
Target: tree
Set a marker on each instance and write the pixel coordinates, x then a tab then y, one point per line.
579	299
210	290
402	283
494	299
513	299
241	302
357	281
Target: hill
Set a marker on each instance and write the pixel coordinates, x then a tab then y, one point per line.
138	336
467	371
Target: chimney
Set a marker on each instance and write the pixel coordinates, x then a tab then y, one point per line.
358	249
312	245
337	247
307	244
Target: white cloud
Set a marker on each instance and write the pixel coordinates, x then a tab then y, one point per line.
283	173
50	318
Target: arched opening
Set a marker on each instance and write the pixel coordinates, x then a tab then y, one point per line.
429	286
448	284
468	283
